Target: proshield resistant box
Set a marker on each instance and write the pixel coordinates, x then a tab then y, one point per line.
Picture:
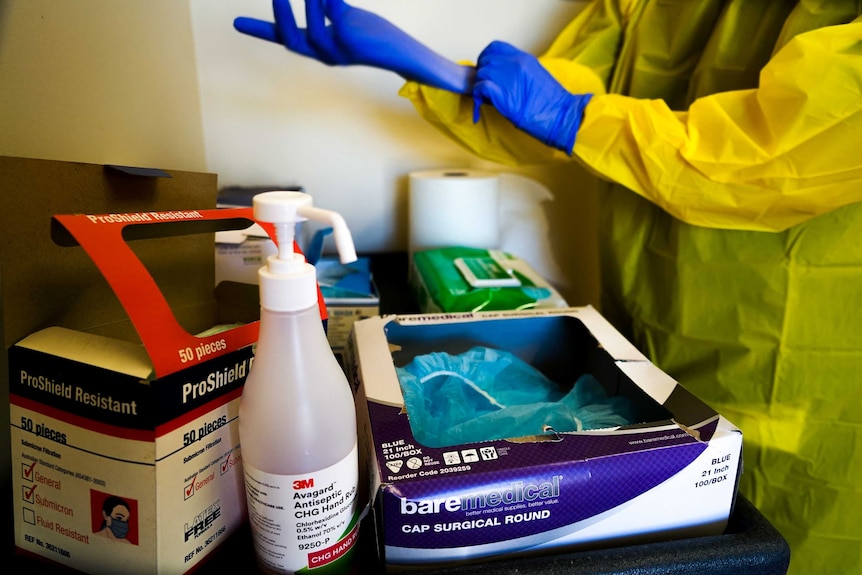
672	474
125	454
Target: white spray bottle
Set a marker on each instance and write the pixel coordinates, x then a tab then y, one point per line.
297	422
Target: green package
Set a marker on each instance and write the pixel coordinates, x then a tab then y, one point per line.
441	286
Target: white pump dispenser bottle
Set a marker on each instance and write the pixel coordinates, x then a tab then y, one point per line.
297	422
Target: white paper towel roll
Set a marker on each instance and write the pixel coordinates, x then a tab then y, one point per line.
453	208
524	227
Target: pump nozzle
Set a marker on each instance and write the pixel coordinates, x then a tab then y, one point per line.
288	282
340	231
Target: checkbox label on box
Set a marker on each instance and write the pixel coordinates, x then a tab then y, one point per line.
27	492
29	516
189	488
27	470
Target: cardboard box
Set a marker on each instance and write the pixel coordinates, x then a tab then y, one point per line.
350	295
670	476
239	254
44	284
152	422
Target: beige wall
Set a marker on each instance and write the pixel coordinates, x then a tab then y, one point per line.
100	81
170	84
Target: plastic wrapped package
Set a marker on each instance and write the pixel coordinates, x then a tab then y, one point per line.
485	394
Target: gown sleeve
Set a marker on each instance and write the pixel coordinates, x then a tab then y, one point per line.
581	58
761	159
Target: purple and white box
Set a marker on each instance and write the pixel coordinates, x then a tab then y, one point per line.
673	474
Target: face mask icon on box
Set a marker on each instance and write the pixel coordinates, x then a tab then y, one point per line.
119	528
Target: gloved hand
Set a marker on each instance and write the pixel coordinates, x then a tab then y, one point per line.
356	36
520	88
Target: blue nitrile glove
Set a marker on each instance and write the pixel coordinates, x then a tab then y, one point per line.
356	36
524	92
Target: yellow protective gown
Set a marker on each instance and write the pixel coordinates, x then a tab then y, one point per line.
736	264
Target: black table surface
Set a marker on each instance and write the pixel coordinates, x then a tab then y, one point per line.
750	544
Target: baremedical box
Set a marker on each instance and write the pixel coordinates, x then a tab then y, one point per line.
671	475
126	455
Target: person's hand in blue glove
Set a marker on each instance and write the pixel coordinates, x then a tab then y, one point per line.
525	93
356	36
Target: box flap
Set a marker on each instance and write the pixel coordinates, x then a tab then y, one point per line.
651	379
99	351
46	285
169	345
